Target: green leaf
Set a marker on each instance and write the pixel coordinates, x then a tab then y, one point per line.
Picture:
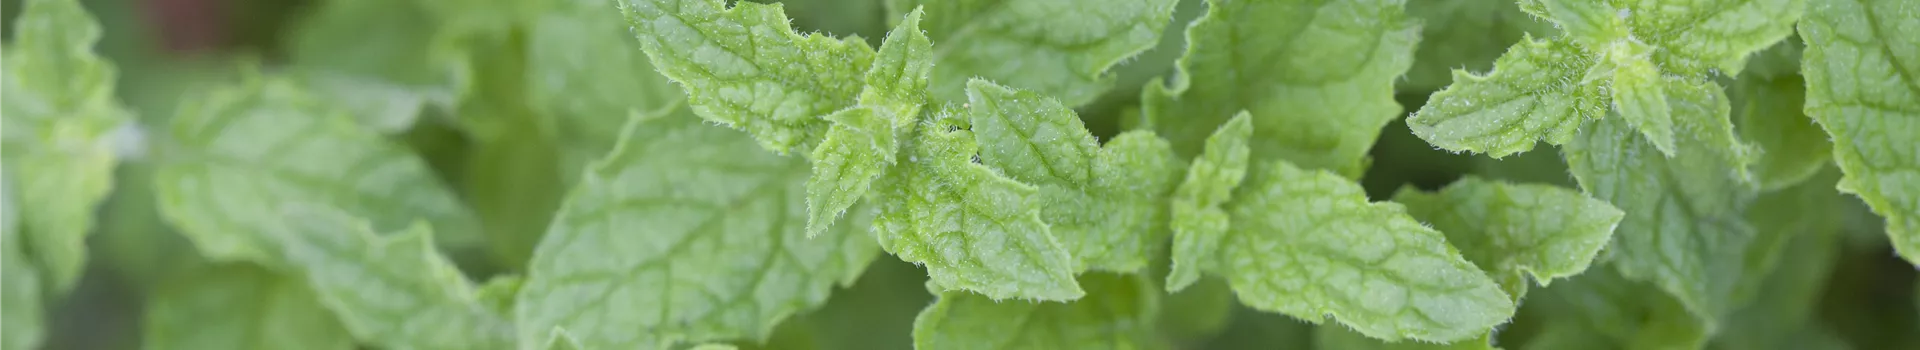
746	68
1105	204
1546	232
393	291
860	146
1534	93
1339	337
1316	75
1198	313
686	233
60	121
22	317
1056	48
1683	229
865	18
1770	114
1309	244
239	306
1700	36
1640	94
1863	86
1618	50
1602	310
1199	224
973	228
1466	35
1119	313
1799	225
587	72
383	60
246	151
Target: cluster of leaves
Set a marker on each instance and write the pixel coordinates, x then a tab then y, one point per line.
563	153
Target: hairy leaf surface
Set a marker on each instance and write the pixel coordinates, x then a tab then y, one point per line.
973	228
1863	85
1545	232
745	67
1307	243
1105	204
1683	229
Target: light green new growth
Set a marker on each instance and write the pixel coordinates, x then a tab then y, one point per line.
746	68
1639	93
973	228
1198	222
861	145
686	233
1535	92
1683	229
1307	243
1618	51
590	96
247	150
239	306
1862	66
1105	204
1509	230
1118	313
22	323
393	291
58	122
1057	48
1316	75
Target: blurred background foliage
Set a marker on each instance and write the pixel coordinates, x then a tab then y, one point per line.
1838	284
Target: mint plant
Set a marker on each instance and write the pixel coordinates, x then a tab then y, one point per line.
958	174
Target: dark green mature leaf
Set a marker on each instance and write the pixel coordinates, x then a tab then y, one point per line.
686	233
1316	75
1118	314
1056	48
1683	229
1788	267
59	120
1769	113
1602	310
247	151
1863	78
239	306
